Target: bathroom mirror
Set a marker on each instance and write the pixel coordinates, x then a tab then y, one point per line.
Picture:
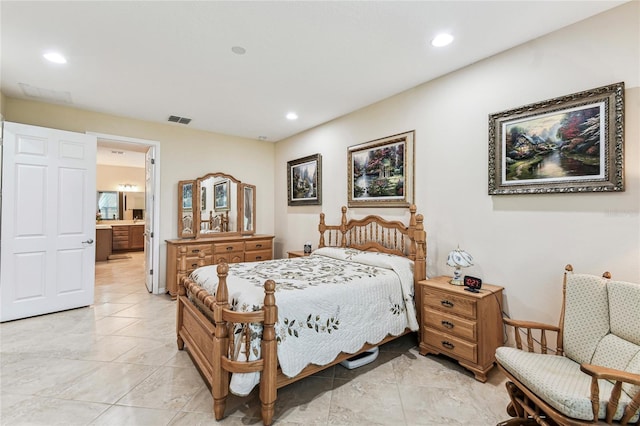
214	205
108	205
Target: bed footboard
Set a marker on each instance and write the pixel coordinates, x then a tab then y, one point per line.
204	322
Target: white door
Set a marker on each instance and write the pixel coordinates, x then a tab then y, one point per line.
149	191
47	254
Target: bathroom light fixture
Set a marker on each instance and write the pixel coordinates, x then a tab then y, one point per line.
55	57
442	39
292	116
127	187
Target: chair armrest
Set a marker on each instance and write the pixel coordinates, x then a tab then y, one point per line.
597	372
530	324
605	373
530	327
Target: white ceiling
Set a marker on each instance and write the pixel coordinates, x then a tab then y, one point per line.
151	59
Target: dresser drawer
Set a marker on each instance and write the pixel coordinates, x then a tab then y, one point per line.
448	302
258	245
257	256
232	257
450	345
193	263
450	324
194	250
221	248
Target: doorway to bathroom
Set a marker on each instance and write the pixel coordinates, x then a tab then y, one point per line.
127	210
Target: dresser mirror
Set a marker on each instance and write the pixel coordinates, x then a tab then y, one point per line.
215	204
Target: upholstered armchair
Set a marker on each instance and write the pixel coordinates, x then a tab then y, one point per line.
592	375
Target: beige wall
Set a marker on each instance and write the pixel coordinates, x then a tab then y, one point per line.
519	242
184	154
109	178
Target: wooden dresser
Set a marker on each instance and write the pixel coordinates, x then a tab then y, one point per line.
231	249
462	325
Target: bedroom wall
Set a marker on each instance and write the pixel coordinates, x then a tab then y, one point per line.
184	154
519	242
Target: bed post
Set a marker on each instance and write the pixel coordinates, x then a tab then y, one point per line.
321	228
182	267
343	227
220	376
420	266
268	382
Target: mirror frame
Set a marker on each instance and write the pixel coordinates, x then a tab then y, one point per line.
248	203
183	208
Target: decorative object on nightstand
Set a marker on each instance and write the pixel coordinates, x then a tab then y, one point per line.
307	247
461	325
459	259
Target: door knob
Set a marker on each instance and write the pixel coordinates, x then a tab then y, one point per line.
89	241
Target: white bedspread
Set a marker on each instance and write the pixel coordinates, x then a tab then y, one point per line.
332	301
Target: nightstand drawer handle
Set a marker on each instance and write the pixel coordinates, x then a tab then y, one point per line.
194	265
229	248
258	257
446	303
258	245
448	345
195	251
447	324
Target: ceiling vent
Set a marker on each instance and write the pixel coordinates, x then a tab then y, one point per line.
181	120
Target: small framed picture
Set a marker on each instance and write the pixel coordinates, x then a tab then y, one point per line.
221	195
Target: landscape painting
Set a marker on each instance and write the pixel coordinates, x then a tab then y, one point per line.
304	181
562	145
381	172
555	146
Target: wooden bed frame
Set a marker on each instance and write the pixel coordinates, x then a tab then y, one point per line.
204	322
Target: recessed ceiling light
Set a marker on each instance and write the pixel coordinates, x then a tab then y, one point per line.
441	40
55	57
292	116
238	50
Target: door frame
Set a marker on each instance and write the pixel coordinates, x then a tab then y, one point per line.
156	198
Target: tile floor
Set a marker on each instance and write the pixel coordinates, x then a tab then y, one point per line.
116	363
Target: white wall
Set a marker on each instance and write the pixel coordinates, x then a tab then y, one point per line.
520	242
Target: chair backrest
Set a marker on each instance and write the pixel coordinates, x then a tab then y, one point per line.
601	323
586	315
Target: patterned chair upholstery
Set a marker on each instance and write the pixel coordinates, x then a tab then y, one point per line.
593	374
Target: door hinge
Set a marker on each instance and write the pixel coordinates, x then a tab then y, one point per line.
150	271
153	161
151	234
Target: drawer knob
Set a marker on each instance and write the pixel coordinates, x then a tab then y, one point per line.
446	303
447	324
229	248
194	265
448	345
195	251
258	245
258	257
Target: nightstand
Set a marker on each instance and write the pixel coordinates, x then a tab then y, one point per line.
296	253
462	325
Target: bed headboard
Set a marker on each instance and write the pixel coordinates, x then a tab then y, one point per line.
373	233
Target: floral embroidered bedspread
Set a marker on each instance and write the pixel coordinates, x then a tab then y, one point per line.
333	301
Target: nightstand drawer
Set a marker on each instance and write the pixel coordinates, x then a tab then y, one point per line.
450	345
449	302
450	324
